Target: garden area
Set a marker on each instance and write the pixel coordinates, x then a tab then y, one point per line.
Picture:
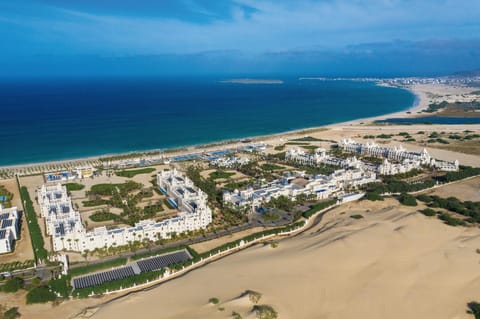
74	187
5	197
132	173
126	196
35	233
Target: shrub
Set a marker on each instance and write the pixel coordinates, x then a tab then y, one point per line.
11	313
214	300
265	312
407	200
424	198
236	315
356	216
318	207
464	172
384	136
40	294
95	202
373	196
428	212
474	309
12	284
452	221
102	216
220	174
253	296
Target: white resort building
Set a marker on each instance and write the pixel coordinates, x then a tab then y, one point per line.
9	230
407	165
65	226
397	153
230	162
320	156
321	186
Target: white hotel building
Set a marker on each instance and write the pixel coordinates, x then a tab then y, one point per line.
68	232
321	186
397	153
320	156
9	231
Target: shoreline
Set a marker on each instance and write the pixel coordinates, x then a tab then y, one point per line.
420	103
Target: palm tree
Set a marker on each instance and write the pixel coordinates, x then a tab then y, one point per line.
85	254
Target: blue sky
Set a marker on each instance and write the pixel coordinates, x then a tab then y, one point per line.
227	37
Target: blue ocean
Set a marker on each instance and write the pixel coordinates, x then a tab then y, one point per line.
55	119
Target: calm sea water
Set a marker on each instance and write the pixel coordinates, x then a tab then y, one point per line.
43	120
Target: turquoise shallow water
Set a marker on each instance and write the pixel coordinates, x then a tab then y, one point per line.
56	119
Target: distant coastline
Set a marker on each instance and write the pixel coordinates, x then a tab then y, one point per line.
217	142
253	81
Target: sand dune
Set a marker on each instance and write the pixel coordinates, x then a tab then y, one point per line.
393	263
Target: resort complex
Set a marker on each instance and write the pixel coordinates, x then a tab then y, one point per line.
315	186
240	159
397	153
320	156
9	228
385	168
68	232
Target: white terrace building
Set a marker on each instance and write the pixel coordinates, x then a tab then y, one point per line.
397	153
230	162
387	168
320	156
185	196
68	232
299	156
321	186
9	231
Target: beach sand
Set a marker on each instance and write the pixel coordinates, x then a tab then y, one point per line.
393	263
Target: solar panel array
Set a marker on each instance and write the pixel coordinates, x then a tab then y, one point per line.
141	266
159	262
6	223
102	277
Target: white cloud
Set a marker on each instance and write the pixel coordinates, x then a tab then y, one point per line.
275	26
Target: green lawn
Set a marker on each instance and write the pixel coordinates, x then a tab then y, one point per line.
35	232
220	174
108	189
132	173
74	187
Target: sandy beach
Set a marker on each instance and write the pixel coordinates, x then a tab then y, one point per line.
393	263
